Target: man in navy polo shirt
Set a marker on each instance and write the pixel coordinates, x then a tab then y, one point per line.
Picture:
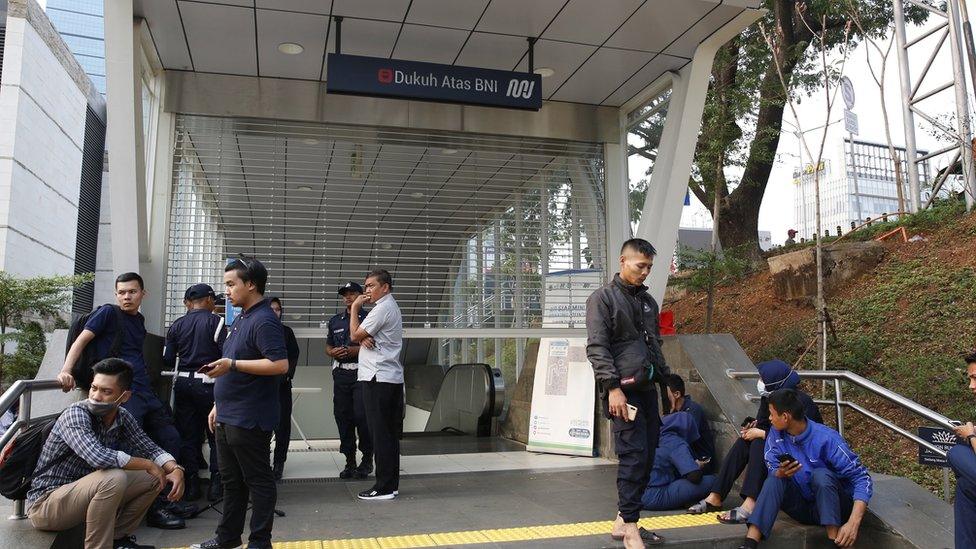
144	405
196	339
246	407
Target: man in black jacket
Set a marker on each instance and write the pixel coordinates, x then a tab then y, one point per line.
624	348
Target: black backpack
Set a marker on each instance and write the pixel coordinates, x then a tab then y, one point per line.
82	369
19	458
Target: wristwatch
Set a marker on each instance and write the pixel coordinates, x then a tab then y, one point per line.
233	364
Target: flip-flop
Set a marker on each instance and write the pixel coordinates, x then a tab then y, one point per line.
703	507
648	537
736	516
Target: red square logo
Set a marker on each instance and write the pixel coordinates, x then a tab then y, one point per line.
385	76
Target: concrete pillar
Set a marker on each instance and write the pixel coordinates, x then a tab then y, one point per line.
617	199
669	181
126	176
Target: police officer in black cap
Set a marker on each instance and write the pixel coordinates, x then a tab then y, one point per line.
197	339
347	400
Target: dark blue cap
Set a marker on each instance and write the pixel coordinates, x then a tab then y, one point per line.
350	287
199	290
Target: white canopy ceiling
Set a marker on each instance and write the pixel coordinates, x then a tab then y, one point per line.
602	52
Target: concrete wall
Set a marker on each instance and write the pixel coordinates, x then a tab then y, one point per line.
43	104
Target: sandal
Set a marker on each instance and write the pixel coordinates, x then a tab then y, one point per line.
648	537
703	507
736	516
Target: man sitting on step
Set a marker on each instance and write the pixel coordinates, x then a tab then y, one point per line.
962	459
98	466
814	476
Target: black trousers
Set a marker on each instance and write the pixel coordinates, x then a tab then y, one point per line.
192	401
350	414
384	413
635	443
282	433
744	455
245	473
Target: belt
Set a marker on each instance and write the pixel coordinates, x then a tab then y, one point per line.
346	366
195	375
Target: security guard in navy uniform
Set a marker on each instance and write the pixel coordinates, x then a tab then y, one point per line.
347	400
282	432
197	338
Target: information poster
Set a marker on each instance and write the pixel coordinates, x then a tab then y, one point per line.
562	420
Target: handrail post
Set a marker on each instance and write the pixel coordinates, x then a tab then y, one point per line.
839	407
23	414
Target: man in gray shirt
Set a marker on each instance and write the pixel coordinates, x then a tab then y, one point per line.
381	336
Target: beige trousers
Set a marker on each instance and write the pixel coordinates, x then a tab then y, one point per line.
111	503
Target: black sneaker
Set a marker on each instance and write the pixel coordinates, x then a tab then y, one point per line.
375	495
214	543
364	469
216	490
161	517
129	542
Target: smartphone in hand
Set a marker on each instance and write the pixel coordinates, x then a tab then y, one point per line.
785	458
205	369
747	421
631	412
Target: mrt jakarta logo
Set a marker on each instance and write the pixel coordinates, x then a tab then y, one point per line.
385	76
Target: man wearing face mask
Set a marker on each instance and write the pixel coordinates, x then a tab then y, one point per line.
624	347
99	467
746	453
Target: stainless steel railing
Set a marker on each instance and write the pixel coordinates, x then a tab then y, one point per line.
22	390
838	376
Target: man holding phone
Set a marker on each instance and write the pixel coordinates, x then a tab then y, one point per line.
624	347
962	459
814	477
246	407
347	391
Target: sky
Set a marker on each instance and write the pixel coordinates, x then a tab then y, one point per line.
776	214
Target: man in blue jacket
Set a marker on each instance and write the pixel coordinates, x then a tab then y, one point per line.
814	476
677	478
962	459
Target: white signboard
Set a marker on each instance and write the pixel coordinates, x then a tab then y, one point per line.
847	90
562	418
850	122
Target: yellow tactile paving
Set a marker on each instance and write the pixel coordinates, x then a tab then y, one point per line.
498	535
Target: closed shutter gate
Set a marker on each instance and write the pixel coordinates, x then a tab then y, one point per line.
468	225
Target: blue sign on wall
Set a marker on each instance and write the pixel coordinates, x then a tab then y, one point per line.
380	77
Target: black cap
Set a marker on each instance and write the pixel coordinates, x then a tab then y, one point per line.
350	287
199	290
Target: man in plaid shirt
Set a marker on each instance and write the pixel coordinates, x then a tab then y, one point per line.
99	467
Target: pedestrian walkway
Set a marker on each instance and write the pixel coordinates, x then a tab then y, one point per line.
511	508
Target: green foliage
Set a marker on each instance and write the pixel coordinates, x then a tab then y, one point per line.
704	268
24	303
788	346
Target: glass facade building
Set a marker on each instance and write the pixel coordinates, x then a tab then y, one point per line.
81	24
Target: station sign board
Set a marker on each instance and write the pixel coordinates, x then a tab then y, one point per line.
942	439
381	77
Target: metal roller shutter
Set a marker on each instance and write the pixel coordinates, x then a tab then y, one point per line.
467	224
89	206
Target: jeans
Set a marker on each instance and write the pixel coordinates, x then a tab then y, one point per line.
962	459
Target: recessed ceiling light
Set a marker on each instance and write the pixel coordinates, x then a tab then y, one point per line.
449	151
545	72
290	48
310	141
417	195
304	188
